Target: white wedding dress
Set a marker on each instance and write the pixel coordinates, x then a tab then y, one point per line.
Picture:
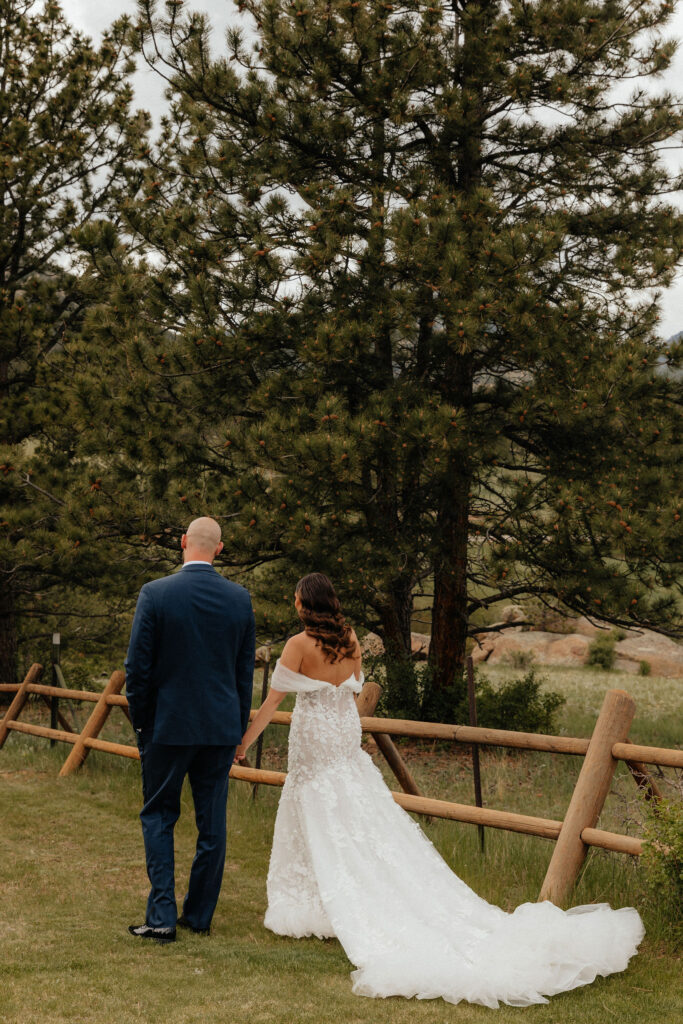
347	861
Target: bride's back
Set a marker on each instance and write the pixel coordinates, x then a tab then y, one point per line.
315	665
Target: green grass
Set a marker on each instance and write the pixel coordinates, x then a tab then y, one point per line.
73	877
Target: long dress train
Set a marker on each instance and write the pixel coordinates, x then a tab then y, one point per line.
347	861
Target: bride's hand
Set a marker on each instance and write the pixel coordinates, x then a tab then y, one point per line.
240	753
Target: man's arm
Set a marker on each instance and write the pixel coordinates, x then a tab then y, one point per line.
140	661
244	669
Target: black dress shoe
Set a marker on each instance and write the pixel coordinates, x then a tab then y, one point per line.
161	935
182	923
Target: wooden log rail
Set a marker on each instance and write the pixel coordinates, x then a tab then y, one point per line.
54	691
664	756
507	820
572	836
628	752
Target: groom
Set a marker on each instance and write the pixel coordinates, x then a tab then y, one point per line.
189	674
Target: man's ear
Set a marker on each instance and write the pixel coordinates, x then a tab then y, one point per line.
219	549
183	541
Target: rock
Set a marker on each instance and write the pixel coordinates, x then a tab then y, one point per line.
585	627
568	649
372	645
262	655
664	655
542	647
483	646
533	643
513	613
419	643
551	620
485	643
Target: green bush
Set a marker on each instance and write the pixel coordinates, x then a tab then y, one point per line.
516	704
601	651
644	668
662	863
401	688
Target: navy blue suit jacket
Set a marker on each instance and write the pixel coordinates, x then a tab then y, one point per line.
190	662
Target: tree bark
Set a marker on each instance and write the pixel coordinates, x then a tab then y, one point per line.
395	617
449	613
8	636
463	175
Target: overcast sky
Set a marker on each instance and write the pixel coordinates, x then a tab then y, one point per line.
93	17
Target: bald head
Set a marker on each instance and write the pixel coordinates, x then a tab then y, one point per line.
202	542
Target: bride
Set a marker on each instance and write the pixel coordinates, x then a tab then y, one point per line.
348	862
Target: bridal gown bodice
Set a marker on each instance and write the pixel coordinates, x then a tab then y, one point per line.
348	862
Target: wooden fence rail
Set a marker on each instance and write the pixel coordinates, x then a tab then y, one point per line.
507	820
666	757
608	745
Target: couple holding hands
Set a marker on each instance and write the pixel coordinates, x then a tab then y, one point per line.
346	861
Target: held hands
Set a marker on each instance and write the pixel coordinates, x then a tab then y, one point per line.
241	753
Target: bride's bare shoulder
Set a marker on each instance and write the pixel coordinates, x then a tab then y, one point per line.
293	651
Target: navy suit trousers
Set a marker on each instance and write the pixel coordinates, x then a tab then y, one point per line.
164	768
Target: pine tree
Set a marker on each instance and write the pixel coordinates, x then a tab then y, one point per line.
391	316
67	144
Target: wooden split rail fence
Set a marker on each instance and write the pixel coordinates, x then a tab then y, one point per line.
608	745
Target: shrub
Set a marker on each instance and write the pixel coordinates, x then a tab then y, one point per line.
401	687
521	659
644	668
662	863
517	704
601	651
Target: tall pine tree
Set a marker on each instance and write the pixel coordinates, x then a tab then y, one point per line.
392	315
67	144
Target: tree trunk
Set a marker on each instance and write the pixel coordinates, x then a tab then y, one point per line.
8	635
449	613
395	616
400	683
464	175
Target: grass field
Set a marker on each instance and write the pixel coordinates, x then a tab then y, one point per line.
73	877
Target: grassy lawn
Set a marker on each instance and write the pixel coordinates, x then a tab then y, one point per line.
73	877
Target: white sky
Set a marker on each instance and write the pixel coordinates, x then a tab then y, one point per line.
92	18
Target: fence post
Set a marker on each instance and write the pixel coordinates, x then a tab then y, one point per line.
589	794
20	698
366	702
54	701
92	727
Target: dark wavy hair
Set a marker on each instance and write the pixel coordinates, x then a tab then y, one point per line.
322	617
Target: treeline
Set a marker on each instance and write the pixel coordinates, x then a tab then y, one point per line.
379	297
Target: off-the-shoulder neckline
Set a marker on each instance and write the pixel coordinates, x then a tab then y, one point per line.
312	679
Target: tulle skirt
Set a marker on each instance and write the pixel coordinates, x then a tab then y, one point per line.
348	862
